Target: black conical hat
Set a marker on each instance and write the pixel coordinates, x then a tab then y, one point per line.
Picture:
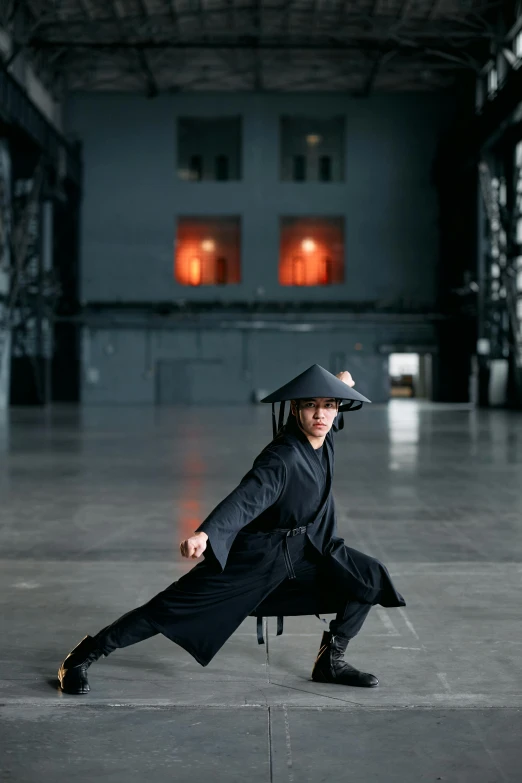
315	382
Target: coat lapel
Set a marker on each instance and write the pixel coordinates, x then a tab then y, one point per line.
308	451
327	449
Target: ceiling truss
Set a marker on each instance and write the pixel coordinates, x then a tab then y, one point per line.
154	46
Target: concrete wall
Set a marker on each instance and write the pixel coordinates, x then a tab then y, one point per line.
224	366
133	195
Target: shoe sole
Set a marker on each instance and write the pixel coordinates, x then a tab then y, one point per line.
346	684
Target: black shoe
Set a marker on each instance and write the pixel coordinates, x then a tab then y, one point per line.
73	671
330	667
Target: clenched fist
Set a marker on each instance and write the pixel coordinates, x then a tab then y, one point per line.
346	377
194	546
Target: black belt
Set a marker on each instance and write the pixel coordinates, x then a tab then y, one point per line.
296	531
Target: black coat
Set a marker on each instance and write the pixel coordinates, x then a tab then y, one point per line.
244	569
287	488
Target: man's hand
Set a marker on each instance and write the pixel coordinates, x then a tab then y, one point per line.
346	377
194	546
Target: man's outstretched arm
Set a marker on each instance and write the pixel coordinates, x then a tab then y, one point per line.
258	490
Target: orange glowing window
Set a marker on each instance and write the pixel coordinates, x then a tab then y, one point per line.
207	251
311	251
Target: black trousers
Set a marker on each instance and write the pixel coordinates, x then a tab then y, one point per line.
203	608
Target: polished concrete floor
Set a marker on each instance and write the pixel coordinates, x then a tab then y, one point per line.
94	504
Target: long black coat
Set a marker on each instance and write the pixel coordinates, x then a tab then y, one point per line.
244	571
282	490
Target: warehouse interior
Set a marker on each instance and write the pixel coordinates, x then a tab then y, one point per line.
199	199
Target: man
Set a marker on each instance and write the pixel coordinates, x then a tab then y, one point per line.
270	548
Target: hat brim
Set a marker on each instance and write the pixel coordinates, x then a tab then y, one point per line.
315	382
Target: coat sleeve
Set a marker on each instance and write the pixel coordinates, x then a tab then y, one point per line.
257	490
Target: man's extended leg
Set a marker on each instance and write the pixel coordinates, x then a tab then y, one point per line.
199	612
129	629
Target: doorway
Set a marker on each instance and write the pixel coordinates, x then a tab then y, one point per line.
410	376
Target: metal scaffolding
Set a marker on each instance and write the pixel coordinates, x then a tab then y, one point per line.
500	325
276	45
39	170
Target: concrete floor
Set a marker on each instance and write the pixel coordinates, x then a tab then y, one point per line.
94	504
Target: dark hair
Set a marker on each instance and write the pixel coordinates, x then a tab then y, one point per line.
300	399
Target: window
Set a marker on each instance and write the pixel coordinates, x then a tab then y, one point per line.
299	168
312	149
221	270
209	149
208	251
311	251
222	173
196	167
325	168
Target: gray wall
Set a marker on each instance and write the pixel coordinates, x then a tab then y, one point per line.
132	194
224	366
131	200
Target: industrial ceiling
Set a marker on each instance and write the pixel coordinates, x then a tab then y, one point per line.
158	46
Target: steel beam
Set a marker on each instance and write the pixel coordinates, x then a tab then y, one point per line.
456	27
497	113
17	109
326	43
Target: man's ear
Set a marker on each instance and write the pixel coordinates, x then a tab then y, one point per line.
293	407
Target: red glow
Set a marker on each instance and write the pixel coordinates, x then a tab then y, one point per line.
195	271
311	252
298	270
207	251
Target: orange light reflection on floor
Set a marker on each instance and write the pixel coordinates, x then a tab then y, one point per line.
190	509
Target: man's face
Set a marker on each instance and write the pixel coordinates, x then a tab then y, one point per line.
316	414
